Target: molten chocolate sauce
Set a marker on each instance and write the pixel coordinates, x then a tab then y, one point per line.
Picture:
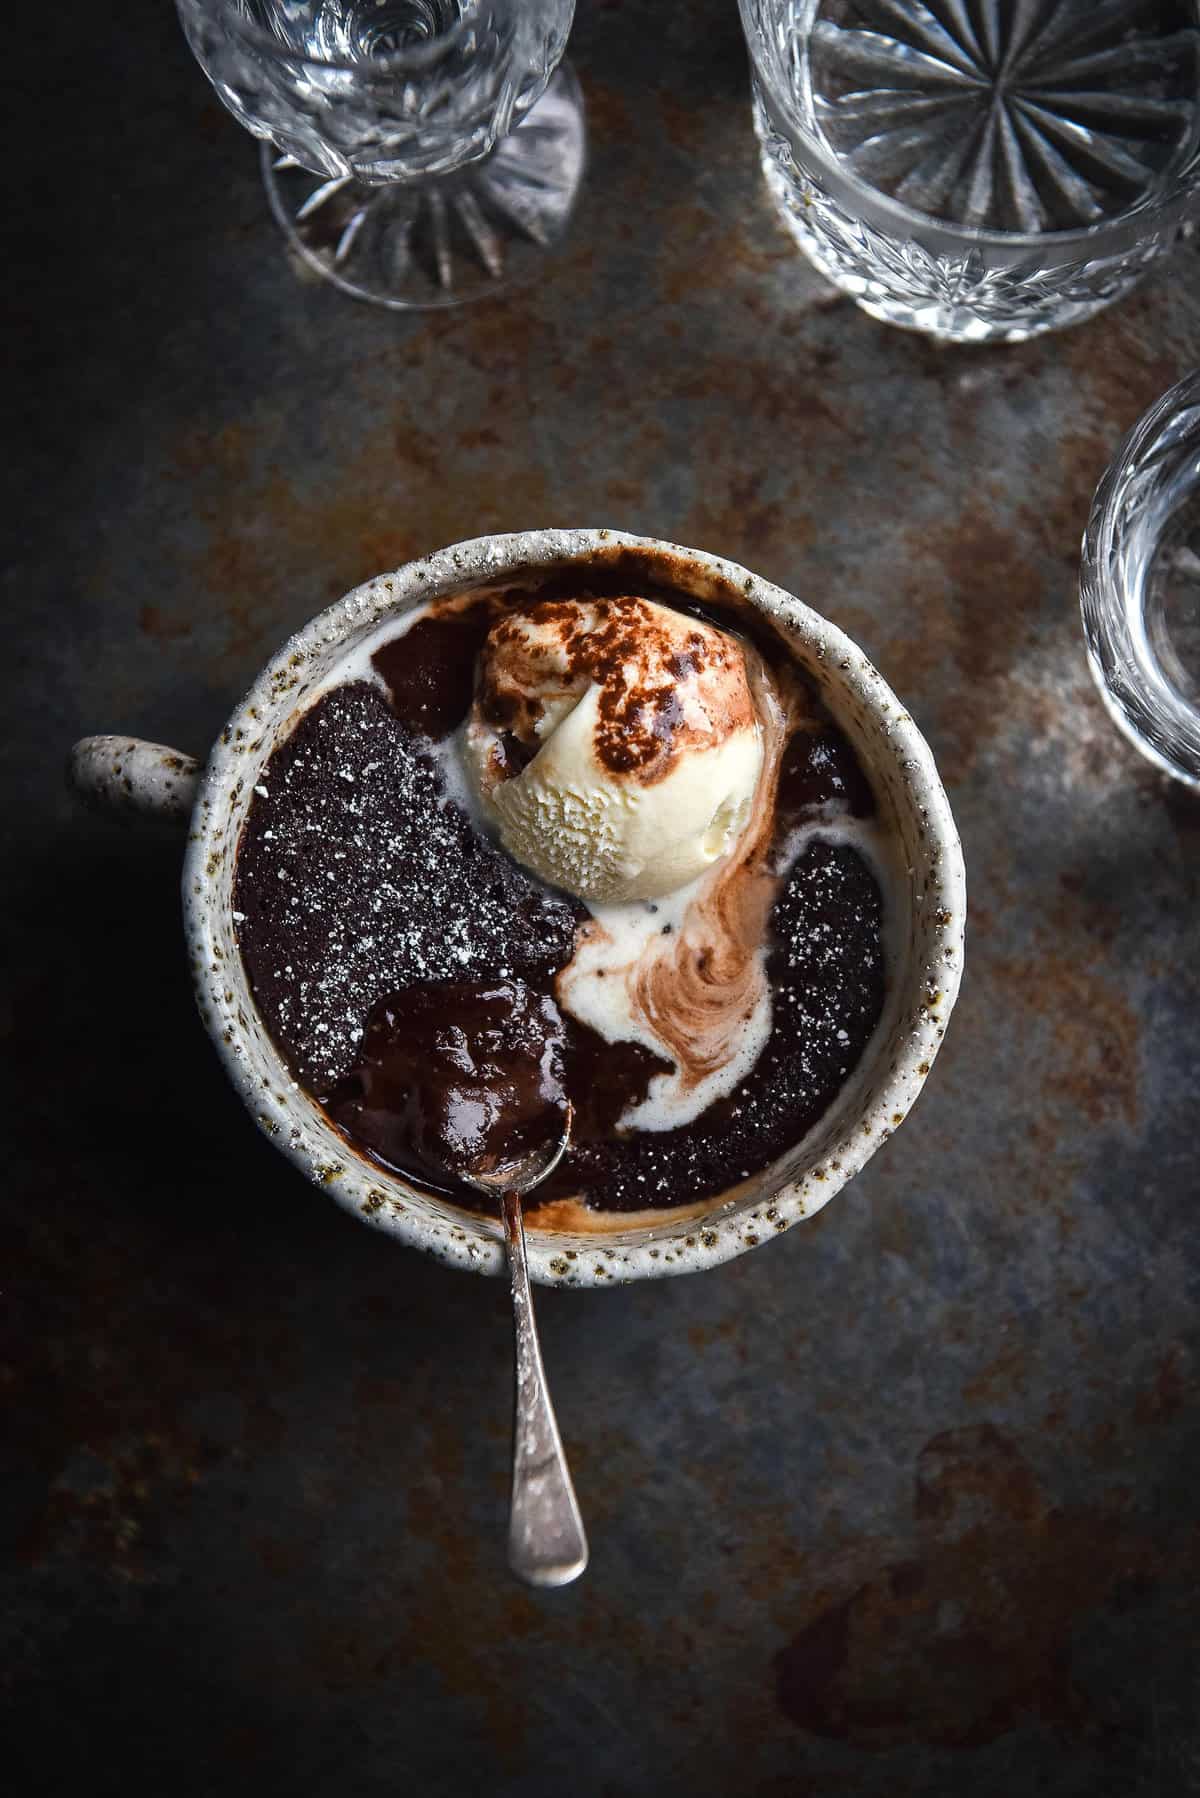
460	1075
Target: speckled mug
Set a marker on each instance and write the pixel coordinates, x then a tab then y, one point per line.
928	921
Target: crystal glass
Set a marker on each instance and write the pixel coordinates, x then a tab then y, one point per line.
1140	583
979	169
419	152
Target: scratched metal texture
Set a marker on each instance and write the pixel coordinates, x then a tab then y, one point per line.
907	1502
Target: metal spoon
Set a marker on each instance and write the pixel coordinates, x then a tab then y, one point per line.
546	1542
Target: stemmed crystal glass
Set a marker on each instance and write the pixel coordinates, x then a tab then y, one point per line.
418	152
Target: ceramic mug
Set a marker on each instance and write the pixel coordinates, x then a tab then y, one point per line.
927	901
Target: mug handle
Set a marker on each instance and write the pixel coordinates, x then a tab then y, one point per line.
134	779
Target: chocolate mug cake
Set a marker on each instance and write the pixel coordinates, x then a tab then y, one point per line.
567	817
565	841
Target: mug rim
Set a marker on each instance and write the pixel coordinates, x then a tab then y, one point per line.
296	1124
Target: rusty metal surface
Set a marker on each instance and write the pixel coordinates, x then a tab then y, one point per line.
907	1502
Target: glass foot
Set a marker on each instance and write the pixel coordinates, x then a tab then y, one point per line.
451	239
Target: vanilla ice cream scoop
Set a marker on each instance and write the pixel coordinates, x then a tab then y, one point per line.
614	743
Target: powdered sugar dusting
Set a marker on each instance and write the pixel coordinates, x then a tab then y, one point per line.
358	876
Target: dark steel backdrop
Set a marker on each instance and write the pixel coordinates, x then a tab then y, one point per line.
906	1502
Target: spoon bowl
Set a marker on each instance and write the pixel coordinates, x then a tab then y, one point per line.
527	1171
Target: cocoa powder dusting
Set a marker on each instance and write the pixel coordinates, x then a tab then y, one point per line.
634	657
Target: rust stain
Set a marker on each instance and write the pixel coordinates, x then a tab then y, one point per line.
980	592
1181	804
347	1658
283	1560
102	1395
509	344
1083	910
154	622
1089	1064
1055	521
608	116
483	437
453	1621
226	452
734	518
751	501
686	127
974	1473
801	410
700	243
1168	1394
900	1230
1056	1413
970	1636
1005	1372
115	1522
288	553
971	605
725	1329
624	495
1115	372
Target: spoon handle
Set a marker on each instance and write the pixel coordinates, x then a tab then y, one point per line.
546	1543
